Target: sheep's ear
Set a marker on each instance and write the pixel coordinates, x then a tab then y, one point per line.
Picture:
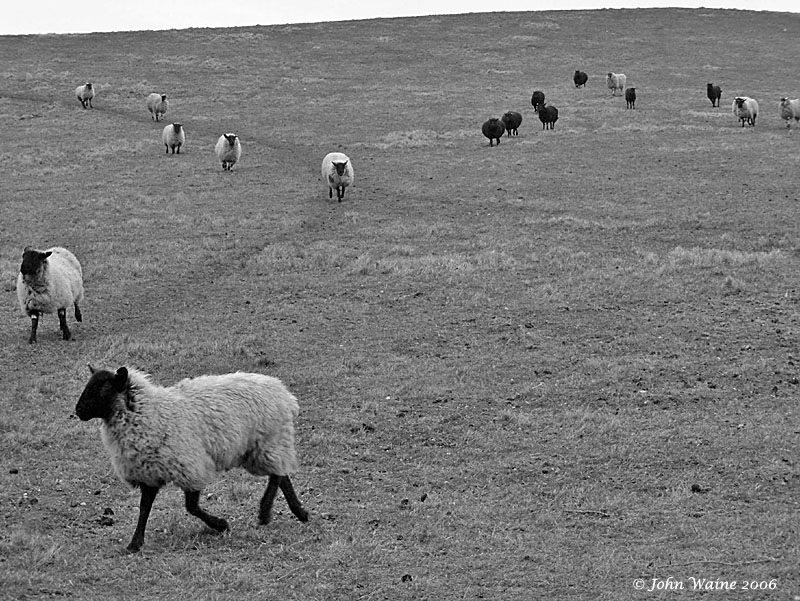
92	370
121	379
47	254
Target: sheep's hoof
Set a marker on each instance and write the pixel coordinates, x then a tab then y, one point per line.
302	515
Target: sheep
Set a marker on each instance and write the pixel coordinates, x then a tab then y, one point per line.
616	81
157	104
537	100
49	281
511	120
630	98
746	109
85	93
580	78
714	94
337	172
189	432
173	137
493	129
548	115
228	150
789	109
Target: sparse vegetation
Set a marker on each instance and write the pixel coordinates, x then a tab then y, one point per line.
540	370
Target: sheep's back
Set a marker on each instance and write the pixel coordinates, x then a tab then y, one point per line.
244	420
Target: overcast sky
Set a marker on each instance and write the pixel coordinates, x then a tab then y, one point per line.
81	16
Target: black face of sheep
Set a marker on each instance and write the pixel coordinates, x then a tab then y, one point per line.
341	168
630	98
231	138
97	399
494	130
580	78
714	94
32	261
537	100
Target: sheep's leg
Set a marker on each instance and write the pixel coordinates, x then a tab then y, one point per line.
34	325
340	193
282	482
292	500
265	508
193	507
78	314
145	504
62	323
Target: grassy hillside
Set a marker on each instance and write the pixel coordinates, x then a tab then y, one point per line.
540	370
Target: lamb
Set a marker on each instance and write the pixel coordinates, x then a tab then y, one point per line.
189	432
337	172
537	100
85	93
790	109
493	129
228	150
511	120
157	104
630	98
714	94
580	78
548	115
49	281
616	81
746	109
173	137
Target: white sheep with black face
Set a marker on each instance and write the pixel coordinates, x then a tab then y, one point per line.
789	109
229	150
157	104
190	432
49	281
616	81
174	137
85	93
337	172
745	109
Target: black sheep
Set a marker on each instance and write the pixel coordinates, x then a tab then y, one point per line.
630	98
511	120
548	115
494	130
537	100
580	78
714	94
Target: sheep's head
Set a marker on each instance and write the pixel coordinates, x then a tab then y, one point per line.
231	138
177	127
163	97
101	392
32	261
340	166
88	86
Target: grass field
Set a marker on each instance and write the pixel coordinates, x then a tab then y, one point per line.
536	371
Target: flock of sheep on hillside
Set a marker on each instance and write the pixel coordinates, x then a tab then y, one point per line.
745	108
337	170
189	432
